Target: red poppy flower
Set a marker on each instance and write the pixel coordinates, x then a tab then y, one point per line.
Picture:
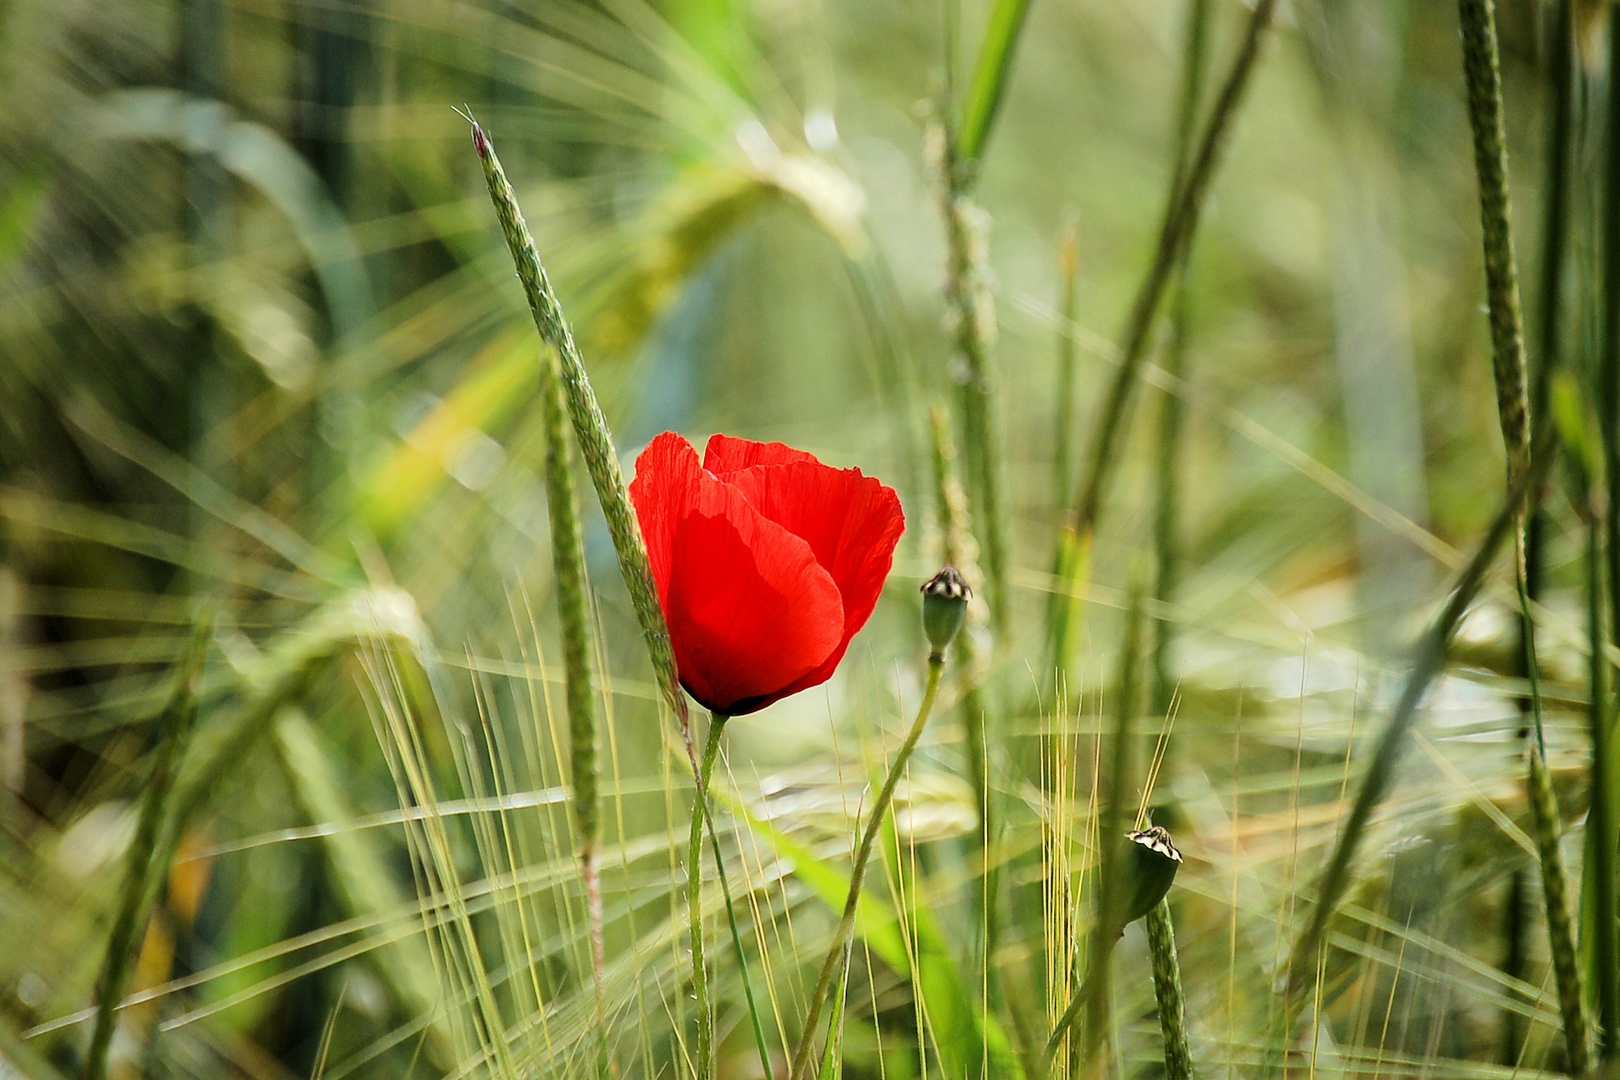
767	563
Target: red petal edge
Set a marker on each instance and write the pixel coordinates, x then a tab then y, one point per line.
664	488
725	455
852	523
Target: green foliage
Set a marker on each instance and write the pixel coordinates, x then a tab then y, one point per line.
265	355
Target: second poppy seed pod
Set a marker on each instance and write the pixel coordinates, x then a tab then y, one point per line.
1152	867
945	603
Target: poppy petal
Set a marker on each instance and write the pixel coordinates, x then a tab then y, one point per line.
751	612
850	521
665	486
725	455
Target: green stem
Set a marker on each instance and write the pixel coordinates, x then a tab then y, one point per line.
1165	526
146	858
1601	816
760	1042
1554	881
1182	210
1553	238
836	951
694	900
1161	936
590	428
972	317
1482	73
1070	1013
1555	218
1609	403
568	568
952	510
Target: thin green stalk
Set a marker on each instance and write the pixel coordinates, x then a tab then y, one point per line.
1555	219
1600	816
836	951
971	316
991	74
951	506
568	568
590	428
1482	74
1070	1013
704	1065
1429	657
1547	824
146	860
1554	235
760	1042
1167	545
1609	405
1062	448
1161	937
969	305
1183	207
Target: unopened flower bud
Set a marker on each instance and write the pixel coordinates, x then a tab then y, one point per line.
945	602
1152	866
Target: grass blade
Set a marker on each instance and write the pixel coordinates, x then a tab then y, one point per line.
1166	527
147	857
1182	211
990	76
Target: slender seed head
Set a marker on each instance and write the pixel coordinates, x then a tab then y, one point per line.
945	603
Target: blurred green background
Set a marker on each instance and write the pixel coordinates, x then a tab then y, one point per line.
262	351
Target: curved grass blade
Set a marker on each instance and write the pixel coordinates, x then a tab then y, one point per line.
1181	215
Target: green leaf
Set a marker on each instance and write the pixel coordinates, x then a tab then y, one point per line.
990	76
963	1034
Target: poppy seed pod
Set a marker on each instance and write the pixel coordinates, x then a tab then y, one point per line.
1152	866
945	602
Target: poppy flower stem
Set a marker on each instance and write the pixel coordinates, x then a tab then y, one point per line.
837	953
736	933
694	898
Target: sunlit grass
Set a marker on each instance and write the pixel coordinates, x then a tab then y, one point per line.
307	401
